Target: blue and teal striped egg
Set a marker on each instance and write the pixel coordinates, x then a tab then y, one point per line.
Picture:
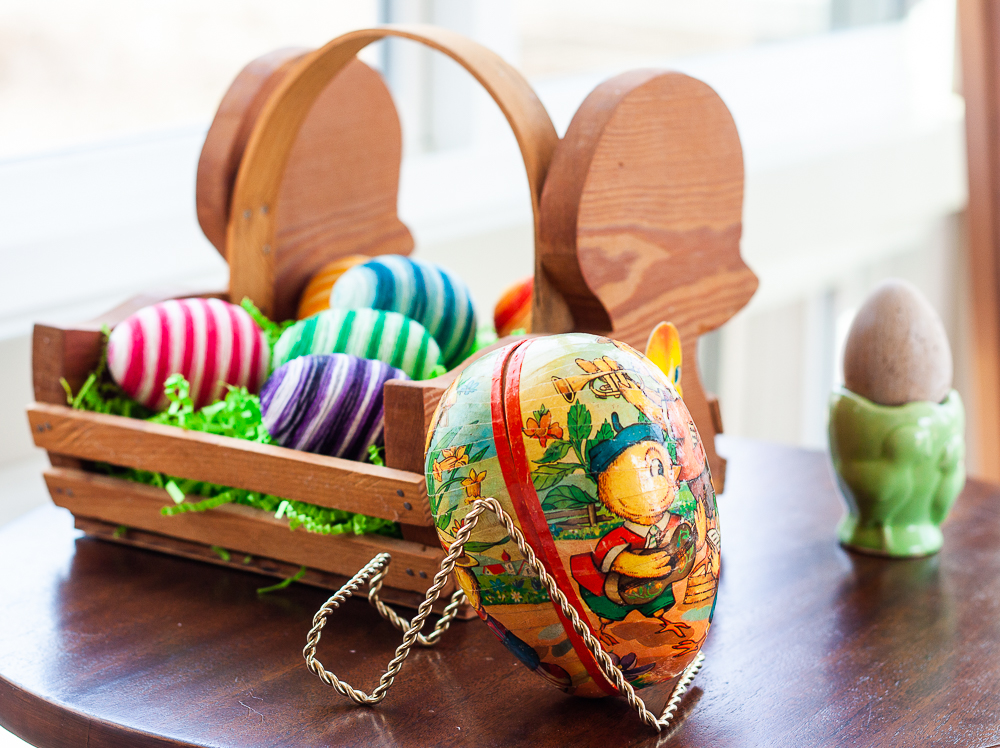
327	404
436	298
388	337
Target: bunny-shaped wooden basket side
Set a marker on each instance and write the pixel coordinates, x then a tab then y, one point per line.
641	220
338	190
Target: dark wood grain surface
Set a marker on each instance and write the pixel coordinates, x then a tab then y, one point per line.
103	645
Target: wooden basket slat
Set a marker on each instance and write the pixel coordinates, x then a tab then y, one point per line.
256	564
239	529
383	492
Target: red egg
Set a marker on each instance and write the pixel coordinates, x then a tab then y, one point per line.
588	447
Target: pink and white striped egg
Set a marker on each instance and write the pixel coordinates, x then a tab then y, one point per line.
212	343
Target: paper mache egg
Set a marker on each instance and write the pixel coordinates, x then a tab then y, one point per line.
328	404
513	310
212	343
436	298
587	446
367	333
316	295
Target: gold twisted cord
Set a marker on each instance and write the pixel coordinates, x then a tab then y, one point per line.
376	569
450	611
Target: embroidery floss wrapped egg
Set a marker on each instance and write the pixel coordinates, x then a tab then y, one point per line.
316	295
327	404
588	447
388	337
436	298
212	343
513	310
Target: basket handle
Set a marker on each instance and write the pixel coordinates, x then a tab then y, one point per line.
251	229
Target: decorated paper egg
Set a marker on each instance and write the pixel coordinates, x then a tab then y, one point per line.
436	298
210	342
367	333
328	404
316	295
513	310
588	447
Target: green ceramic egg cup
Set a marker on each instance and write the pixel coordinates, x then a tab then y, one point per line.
899	469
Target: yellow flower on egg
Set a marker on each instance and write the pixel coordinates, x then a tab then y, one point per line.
473	484
451	458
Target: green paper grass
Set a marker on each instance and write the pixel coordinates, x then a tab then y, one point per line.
221	552
237	416
486	335
272	330
175	492
99	392
283	583
376	455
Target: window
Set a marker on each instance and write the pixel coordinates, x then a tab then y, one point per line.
852	140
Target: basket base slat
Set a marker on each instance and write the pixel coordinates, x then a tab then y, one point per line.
396	495
255	564
240	529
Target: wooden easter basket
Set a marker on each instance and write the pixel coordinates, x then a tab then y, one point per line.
301	166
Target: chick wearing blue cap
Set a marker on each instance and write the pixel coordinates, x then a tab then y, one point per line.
634	566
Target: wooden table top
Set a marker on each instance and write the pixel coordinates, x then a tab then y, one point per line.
103	645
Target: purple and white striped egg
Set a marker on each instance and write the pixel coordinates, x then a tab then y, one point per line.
212	343
330	404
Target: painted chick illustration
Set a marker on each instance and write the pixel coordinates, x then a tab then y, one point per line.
633	567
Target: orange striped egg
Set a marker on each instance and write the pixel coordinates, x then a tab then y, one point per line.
210	342
316	296
513	310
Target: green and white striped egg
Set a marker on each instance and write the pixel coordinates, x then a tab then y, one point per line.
368	333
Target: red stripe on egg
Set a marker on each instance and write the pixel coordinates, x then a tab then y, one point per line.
175	320
236	361
258	366
136	358
163	361
506	412
195	354
188	345
530	513
200	354
208	378
224	335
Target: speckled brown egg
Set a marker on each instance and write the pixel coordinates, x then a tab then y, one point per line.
897	351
